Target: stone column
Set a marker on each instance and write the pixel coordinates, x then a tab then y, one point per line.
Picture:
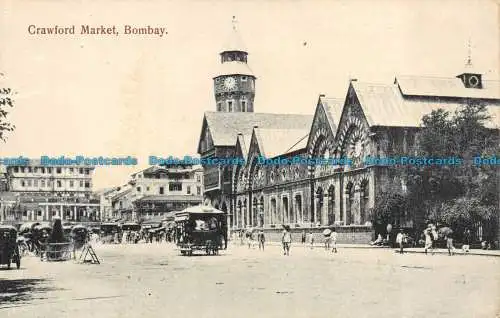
326	220
345	202
356	210
317	210
244	216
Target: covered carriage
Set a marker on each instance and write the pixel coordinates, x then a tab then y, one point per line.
200	228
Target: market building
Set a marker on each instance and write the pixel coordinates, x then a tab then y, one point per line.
377	120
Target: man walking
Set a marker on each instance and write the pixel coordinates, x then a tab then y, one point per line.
466	246
333	238
400	240
428	240
311	239
449	244
262	239
286	240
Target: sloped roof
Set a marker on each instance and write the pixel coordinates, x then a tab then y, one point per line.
224	127
333	108
171	198
446	87
276	142
244	141
234	42
384	105
234	68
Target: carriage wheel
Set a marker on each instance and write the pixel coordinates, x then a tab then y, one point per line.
183	252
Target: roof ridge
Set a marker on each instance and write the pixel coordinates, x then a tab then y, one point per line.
254	113
298	142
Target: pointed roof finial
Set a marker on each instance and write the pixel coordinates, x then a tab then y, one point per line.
469	54
234	22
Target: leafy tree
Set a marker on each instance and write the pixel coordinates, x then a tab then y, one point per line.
458	195
6	100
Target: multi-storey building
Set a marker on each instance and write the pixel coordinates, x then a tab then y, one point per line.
159	189
371	120
47	191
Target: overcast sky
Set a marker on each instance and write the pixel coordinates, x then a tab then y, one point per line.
145	95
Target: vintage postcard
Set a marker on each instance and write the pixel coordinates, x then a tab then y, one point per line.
221	158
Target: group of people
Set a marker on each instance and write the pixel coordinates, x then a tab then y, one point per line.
430	238
251	240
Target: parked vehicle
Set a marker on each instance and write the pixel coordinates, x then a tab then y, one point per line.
9	250
200	228
110	233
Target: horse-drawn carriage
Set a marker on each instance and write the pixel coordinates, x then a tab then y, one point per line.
200	228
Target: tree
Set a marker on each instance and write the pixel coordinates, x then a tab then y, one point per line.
6	100
390	206
457	195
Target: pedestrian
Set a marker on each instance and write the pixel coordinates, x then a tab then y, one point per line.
327	242
249	239
428	240
466	245
311	239
287	241
449	244
262	239
303	239
400	240
333	238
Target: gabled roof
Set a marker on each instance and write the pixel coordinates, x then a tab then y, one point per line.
446	87
333	109
276	142
224	127
385	105
244	142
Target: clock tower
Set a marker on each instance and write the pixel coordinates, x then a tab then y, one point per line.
234	84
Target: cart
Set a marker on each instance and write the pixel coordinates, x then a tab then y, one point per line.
200	228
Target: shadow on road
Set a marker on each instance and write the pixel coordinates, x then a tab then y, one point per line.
21	290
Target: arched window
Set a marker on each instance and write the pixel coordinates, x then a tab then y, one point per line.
284	207
272	215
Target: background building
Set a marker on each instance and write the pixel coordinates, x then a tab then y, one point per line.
47	191
157	190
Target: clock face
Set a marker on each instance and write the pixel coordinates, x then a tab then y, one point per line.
473	81
230	83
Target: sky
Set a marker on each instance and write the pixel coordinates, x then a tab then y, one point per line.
145	95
